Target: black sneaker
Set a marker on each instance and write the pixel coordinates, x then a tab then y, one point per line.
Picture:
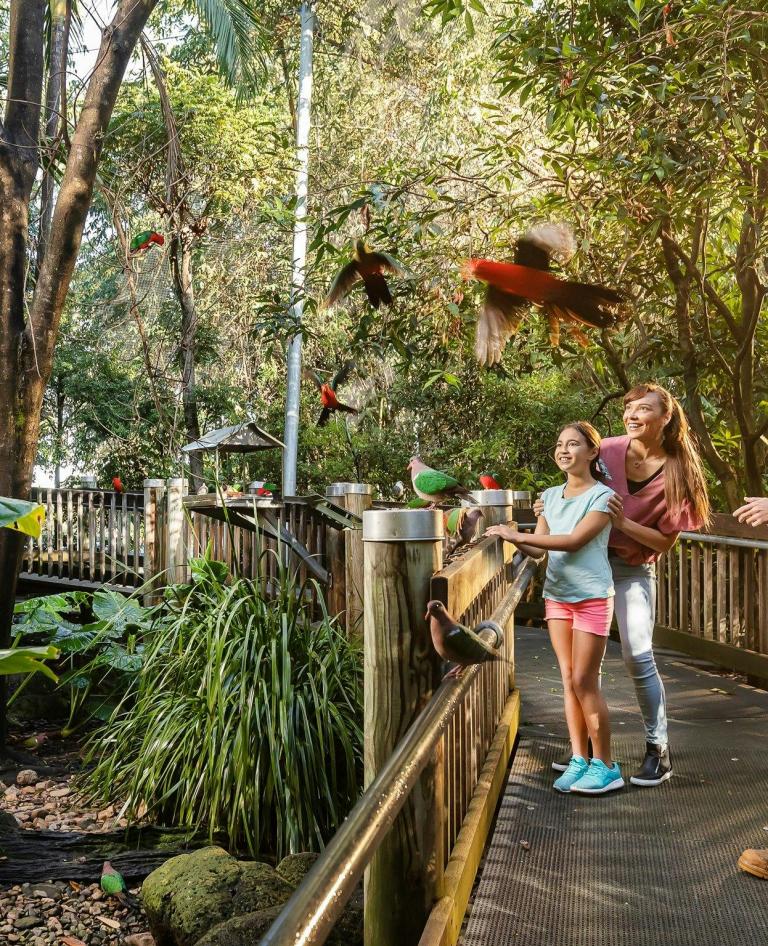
656	767
561	764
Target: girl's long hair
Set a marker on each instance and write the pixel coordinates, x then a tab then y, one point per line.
593	440
684	479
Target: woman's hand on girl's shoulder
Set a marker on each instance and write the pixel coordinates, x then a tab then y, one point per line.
504	532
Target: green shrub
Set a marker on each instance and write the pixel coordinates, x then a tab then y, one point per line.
245	717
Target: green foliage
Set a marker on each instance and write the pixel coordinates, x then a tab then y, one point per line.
27	660
244	717
99	640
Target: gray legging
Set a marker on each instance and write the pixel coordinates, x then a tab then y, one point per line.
635	609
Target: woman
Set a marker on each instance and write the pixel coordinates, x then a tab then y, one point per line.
660	491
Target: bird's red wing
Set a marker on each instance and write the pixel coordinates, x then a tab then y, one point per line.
596	306
345	279
499	319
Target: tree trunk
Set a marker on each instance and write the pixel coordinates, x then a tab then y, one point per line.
181	267
27	346
61	14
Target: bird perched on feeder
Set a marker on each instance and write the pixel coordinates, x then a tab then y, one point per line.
461	526
145	239
527	280
459	644
328	397
487	481
434	485
117	484
398	490
113	884
263	488
369	266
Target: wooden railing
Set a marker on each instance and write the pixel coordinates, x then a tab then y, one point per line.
89	537
712	595
435	752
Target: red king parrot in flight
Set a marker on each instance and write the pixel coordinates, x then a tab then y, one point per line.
514	286
145	239
328	393
369	266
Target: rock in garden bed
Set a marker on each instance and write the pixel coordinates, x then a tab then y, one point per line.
209	898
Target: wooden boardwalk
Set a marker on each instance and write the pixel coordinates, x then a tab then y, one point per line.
641	867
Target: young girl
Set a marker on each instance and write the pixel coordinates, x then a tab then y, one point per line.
578	594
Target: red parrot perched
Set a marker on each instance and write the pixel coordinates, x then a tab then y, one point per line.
328	393
488	482
145	239
117	484
370	267
513	286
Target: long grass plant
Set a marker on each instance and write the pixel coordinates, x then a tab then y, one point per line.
246	717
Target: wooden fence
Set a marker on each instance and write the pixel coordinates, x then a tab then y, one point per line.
90	537
436	750
712	596
433	851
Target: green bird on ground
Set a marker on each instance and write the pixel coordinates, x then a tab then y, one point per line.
459	644
434	485
113	883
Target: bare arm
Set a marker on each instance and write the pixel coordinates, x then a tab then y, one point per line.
542	528
653	539
590	526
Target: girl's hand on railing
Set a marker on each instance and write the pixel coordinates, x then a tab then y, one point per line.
754	512
504	532
616	510
538	506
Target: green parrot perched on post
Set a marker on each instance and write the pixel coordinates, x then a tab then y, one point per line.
459	644
434	485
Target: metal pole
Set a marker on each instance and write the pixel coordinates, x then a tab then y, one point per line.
303	116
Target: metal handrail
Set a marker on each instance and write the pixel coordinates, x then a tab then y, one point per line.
707	539
310	914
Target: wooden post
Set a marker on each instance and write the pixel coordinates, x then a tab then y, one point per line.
175	536
153	519
402	550
345	558
497	506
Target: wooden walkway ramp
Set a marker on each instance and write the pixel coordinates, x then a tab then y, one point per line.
642	867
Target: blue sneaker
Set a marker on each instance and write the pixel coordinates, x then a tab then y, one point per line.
599	779
577	768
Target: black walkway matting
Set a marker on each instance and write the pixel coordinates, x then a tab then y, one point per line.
641	867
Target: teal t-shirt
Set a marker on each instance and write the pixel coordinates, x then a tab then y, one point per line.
577	576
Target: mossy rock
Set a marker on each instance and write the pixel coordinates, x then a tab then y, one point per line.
250	927
194	892
295	867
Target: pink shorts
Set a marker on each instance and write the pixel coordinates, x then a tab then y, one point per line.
593	615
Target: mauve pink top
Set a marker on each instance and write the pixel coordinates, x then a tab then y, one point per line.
646	507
